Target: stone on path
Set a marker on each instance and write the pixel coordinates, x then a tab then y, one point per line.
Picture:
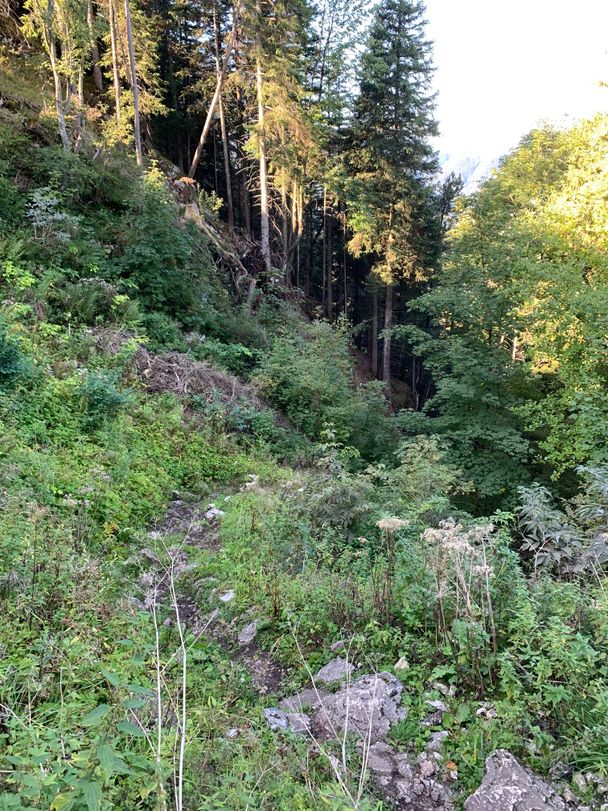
305	699
404	784
295	722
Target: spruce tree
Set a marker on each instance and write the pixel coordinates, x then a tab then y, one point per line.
391	159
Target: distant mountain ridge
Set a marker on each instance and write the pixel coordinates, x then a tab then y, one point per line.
473	169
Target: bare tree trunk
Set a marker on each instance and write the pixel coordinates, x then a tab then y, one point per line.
49	39
245	200
388	323
227	173
374	352
308	255
264	217
134	87
115	73
329	248
227	170
285	230
218	89
324	266
97	75
242	160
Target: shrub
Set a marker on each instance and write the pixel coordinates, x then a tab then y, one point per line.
165	259
309	376
101	398
236	358
13	364
163	332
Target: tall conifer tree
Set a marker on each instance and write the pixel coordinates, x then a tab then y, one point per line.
391	159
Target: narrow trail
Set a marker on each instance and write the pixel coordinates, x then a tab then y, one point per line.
368	706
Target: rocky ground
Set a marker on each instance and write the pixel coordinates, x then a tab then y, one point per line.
340	703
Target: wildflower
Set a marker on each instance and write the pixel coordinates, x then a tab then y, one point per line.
392	524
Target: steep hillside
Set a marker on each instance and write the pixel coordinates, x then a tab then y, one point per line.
231	575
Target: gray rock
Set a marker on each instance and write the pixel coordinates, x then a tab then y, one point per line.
406	785
486	711
305	699
427	768
381	758
336	670
299	723
228	596
508	786
436	740
276	719
438	706
441	688
368	707
280	721
213	513
232	733
249	633
337	646
579	781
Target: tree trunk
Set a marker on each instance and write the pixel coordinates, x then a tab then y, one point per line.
97	74
388	323
374	352
49	38
308	255
329	248
225	149
115	73
285	231
245	197
264	217
134	87
218	89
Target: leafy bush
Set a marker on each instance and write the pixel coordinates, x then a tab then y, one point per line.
163	258
163	332
309	376
263	426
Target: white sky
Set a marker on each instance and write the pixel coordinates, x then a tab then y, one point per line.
503	66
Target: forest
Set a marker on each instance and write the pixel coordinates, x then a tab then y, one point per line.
303	450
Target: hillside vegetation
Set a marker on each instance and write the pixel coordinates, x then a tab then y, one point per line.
207	494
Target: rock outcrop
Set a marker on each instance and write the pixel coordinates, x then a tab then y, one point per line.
368	707
509	786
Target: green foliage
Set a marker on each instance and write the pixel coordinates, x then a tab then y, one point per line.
570	541
473	411
162	257
101	398
235	358
13	364
309	377
517	346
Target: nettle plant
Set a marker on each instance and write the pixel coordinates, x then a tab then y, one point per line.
566	542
